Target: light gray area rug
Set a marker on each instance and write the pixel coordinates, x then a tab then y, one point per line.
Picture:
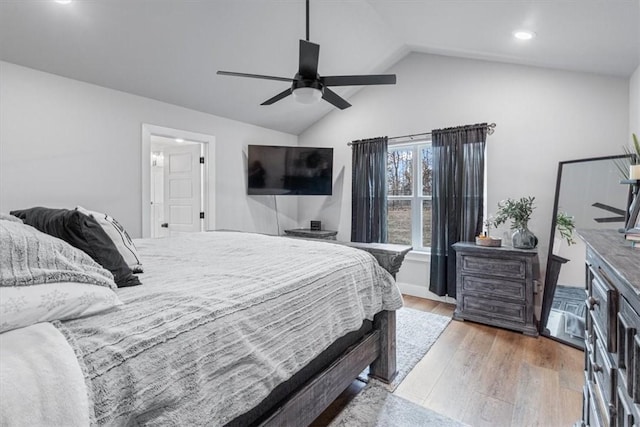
375	405
416	331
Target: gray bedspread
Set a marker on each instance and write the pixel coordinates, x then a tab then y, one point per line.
221	319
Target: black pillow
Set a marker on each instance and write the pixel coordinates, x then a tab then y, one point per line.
83	232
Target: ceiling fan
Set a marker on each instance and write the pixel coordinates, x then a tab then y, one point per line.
307	86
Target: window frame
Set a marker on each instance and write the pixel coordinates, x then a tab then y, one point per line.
416	197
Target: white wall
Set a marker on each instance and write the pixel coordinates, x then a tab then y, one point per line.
634	103
65	142
543	116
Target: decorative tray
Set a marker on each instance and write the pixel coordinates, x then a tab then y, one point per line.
488	241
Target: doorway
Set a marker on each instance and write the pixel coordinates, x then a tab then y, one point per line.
177	185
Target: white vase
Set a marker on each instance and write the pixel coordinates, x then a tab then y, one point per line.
634	172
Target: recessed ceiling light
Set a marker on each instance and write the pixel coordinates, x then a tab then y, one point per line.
524	35
179	140
63	1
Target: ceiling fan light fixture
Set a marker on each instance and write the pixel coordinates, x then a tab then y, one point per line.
524	34
307	95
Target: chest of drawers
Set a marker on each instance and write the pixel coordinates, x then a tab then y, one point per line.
495	286
611	394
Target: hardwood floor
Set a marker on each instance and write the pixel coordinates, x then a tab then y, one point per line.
487	376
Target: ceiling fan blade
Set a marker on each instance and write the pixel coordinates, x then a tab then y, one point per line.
254	76
362	80
278	97
335	99
309	53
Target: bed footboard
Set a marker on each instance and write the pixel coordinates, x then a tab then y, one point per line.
377	350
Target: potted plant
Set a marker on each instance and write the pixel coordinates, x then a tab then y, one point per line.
630	166
565	225
519	212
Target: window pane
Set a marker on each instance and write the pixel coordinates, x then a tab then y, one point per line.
399	224
426	163
426	223
400	172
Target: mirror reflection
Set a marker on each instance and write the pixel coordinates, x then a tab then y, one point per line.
588	190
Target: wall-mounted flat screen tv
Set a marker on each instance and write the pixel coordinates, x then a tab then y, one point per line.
282	170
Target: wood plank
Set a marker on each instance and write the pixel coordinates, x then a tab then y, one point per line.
423	378
421	304
537	397
502	364
457	389
309	402
486	411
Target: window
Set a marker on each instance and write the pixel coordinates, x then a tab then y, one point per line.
409	178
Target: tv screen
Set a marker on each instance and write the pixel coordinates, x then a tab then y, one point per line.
282	170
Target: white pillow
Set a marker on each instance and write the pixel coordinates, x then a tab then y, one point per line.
22	306
7	217
120	238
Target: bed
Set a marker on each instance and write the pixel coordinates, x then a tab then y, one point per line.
227	328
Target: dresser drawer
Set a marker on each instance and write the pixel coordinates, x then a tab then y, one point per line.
487	286
603	305
635	391
628	324
626	410
625	413
604	372
493	309
495	266
597	411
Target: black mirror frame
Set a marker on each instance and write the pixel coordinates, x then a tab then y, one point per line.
554	262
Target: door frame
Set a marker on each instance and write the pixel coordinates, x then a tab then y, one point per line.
208	184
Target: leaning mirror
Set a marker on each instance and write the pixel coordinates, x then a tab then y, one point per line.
588	190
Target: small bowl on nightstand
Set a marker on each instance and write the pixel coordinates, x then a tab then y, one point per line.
488	241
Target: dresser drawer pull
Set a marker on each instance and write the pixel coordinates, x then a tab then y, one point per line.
592	303
597	368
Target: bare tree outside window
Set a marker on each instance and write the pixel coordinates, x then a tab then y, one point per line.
409	175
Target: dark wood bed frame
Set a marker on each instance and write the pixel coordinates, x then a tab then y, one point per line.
377	350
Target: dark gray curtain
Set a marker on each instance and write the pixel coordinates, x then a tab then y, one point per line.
369	191
458	185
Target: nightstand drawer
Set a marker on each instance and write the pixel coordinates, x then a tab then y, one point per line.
495	266
490	308
488	286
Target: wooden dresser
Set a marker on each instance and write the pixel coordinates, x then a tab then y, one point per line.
495	286
611	395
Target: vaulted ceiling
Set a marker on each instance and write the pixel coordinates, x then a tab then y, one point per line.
170	50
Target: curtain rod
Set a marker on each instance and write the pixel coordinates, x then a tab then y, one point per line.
490	129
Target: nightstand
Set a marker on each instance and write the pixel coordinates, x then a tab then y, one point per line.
495	286
312	234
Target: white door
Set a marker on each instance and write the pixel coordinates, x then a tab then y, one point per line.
182	188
